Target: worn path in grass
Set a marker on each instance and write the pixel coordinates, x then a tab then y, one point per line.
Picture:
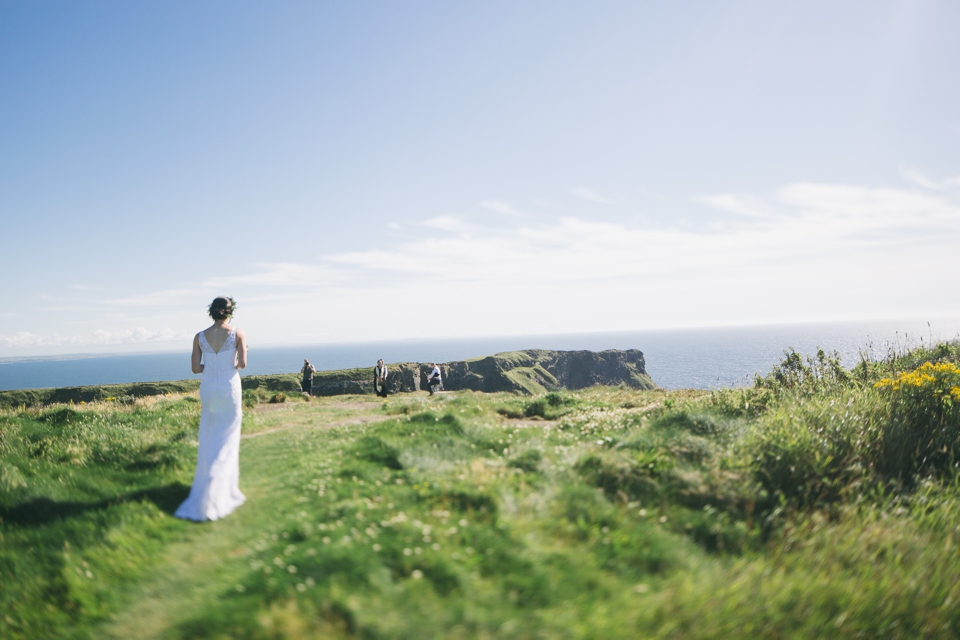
317	415
192	574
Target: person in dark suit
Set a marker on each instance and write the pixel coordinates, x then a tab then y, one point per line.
306	384
380	379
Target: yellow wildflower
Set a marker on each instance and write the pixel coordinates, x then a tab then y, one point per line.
941	378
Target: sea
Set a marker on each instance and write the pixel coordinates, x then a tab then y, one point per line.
703	358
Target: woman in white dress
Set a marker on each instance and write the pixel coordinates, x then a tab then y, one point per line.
219	352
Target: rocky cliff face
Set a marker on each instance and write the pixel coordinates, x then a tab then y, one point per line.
530	372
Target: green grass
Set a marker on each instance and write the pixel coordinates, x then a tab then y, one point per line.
775	511
128	393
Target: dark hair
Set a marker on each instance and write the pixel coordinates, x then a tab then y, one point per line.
222	307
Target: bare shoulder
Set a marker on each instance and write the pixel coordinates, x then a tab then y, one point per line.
241	335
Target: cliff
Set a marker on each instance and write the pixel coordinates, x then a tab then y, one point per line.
531	371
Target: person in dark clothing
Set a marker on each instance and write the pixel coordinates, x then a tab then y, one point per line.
380	379
306	385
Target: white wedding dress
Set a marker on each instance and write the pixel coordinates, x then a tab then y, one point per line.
216	485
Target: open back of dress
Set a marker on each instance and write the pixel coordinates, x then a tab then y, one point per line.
216	485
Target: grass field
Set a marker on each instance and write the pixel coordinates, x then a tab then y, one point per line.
821	502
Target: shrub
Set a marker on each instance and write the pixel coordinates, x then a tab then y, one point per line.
806	375
808	452
250	398
447	423
923	434
551	406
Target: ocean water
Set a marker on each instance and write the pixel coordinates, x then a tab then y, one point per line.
687	358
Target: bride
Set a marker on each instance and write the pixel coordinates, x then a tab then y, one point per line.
218	353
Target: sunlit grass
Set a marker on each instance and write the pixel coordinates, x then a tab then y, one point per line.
607	512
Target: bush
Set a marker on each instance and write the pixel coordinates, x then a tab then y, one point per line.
550	407
806	375
923	433
810	451
250	398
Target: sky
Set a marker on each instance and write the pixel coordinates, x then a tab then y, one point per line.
386	171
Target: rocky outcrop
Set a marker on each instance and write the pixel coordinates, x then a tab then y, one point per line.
530	372
401	378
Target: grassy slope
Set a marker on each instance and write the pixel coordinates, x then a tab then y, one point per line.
127	393
623	514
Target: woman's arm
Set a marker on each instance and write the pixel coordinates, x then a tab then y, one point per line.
195	357
241	349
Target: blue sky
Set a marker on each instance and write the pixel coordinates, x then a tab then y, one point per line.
359	171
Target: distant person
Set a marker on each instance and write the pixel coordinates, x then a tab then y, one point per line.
306	384
434	382
380	378
219	352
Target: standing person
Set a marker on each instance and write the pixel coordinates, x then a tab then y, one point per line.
380	378
306	384
219	352
433	380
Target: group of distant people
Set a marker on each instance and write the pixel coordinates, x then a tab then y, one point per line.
219	352
380	372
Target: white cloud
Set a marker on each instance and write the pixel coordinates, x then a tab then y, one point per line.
500	207
741	205
444	223
592	196
166	297
278	275
140	335
810	252
917	177
814	251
